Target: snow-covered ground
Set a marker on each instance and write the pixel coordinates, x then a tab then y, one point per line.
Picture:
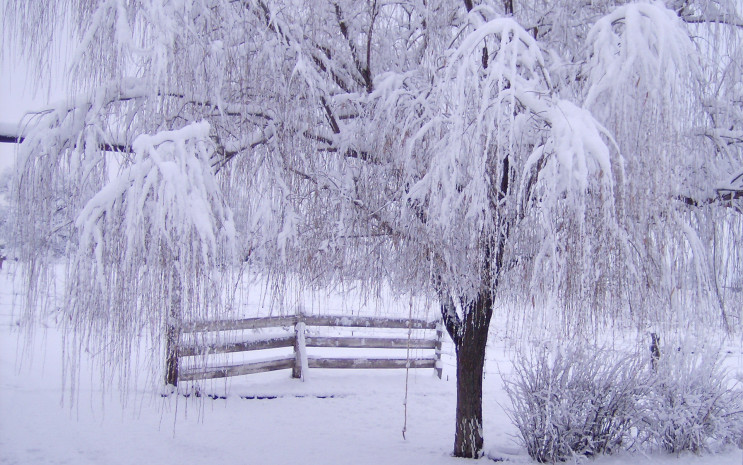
335	417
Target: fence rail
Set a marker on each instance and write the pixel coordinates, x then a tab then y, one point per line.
238	370
228	347
316	362
370	343
310	320
300	361
234	325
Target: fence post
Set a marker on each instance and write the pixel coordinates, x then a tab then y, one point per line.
300	350
654	350
438	368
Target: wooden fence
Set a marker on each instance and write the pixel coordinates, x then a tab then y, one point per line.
177	349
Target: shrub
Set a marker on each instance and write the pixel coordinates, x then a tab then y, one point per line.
574	401
691	407
583	401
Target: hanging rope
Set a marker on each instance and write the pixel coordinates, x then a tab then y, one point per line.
407	368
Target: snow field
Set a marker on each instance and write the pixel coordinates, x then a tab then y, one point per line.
335	417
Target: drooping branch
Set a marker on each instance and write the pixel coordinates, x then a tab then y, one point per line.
722	137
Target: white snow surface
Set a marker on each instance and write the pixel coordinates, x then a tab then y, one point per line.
334	417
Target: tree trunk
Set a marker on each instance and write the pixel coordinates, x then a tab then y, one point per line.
470	347
173	332
172	335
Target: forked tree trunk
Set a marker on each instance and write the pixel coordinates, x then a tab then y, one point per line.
470	339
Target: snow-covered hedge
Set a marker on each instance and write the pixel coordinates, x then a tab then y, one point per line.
582	401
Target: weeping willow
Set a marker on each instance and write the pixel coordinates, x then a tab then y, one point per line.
576	165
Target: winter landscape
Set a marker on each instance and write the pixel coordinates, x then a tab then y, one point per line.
334	416
346	231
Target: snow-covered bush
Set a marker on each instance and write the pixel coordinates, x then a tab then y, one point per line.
582	401
691	407
574	401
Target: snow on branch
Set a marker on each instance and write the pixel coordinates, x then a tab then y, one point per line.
151	250
727	194
729	21
735	184
637	44
580	152
60	163
77	123
168	199
10	134
507	44
724	12
503	156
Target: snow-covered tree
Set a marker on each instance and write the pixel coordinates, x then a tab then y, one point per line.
581	155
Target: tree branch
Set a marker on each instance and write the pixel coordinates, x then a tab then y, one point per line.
724	198
727	196
734	22
363	71
451	320
106	147
318	60
10	139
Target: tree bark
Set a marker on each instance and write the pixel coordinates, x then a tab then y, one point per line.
173	332
470	341
172	335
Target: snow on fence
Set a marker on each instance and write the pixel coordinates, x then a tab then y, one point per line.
177	348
